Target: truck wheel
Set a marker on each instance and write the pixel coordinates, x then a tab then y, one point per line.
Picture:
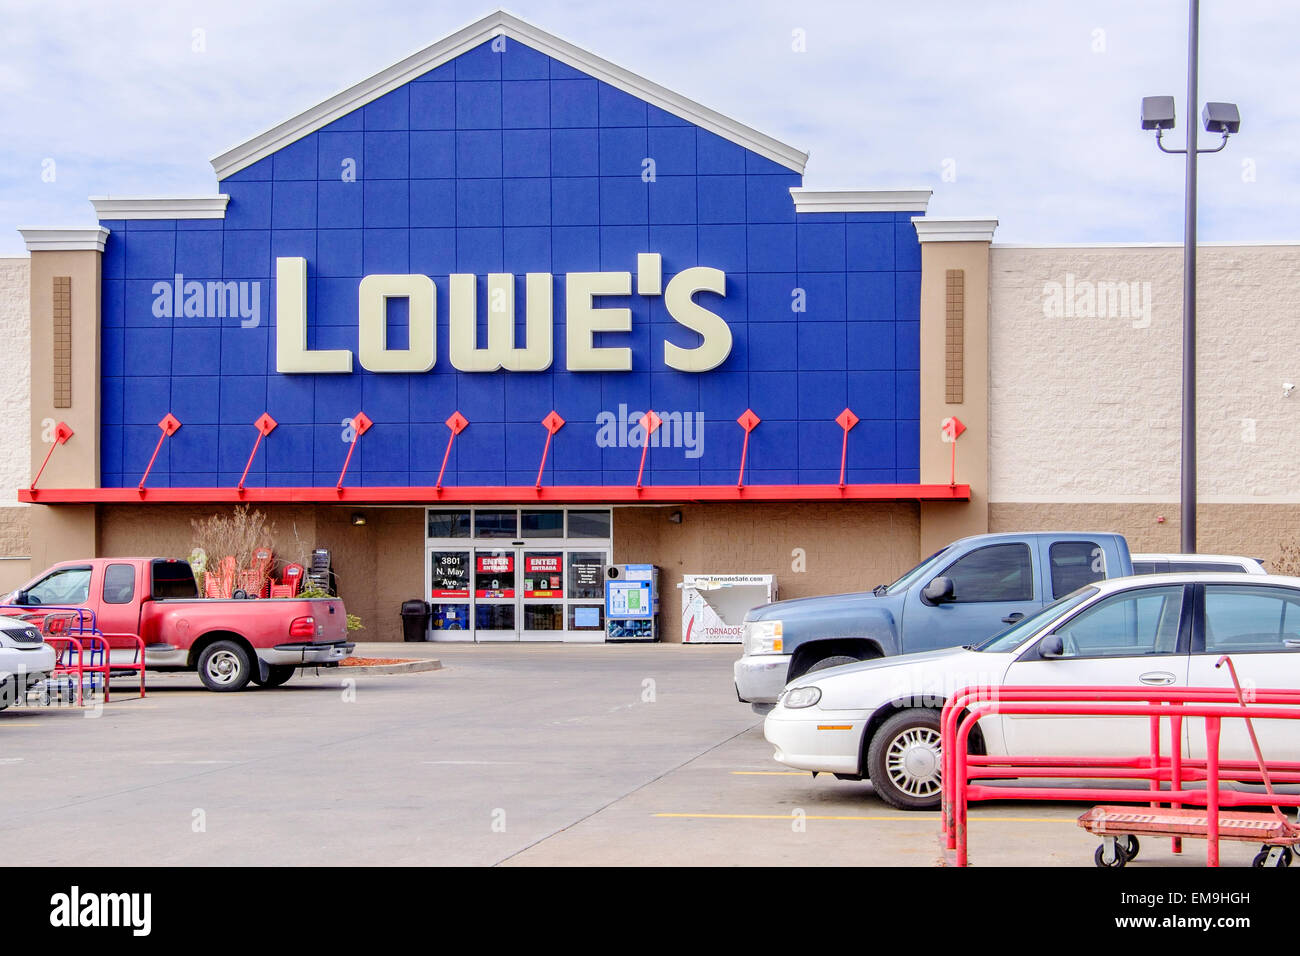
278	674
903	761
224	666
834	661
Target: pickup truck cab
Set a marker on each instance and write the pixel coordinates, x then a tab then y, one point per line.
228	641
961	595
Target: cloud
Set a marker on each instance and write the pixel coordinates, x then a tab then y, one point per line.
1032	105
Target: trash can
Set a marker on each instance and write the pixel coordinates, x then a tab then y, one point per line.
415	620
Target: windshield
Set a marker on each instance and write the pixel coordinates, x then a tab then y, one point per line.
1027	627
903	583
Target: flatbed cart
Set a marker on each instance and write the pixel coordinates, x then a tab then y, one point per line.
1120	826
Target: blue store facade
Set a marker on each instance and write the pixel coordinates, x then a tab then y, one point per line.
621	249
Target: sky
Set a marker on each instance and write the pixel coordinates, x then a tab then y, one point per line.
1026	112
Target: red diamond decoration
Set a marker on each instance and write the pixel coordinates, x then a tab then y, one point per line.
748	421
169	425
553	422
265	424
650	421
457	423
846	420
361	423
62	432
951	428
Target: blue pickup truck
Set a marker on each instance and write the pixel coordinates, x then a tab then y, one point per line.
970	590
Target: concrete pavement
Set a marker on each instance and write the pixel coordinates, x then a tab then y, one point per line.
519	755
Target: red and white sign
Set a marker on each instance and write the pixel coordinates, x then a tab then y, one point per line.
495	577
543	575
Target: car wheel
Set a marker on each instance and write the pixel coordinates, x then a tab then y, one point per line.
224	666
903	760
834	661
277	674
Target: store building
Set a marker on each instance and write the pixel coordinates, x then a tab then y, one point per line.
450	294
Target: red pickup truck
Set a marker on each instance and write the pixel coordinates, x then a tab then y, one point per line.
228	641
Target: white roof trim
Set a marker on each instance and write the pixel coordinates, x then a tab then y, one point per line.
65	240
496	24
1213	244
160	207
860	200
954	230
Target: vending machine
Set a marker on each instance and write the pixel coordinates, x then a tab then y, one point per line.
632	602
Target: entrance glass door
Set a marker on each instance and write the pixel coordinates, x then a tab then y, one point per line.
542	595
496	601
517	573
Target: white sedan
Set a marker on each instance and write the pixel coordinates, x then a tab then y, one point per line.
879	719
25	660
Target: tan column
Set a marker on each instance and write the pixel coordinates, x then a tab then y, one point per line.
65	343
954	371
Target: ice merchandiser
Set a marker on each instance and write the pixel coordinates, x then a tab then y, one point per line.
632	602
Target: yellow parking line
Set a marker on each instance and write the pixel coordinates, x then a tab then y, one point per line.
919	816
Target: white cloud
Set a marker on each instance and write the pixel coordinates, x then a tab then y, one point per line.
1041	127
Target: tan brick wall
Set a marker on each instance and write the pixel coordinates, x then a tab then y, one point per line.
377	565
850	546
1088	407
16	383
1253	530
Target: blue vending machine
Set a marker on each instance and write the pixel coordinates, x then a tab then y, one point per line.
632	602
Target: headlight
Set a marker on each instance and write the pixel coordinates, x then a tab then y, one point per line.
763	637
801	697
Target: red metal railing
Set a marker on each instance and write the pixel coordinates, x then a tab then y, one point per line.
963	711
73	632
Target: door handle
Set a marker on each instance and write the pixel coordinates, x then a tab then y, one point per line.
1291	643
1157	677
1013	617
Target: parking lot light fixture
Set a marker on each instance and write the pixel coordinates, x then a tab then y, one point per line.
1222	118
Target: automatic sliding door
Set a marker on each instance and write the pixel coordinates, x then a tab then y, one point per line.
495	601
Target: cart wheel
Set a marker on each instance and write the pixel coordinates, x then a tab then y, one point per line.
1131	848
1120	856
1261	858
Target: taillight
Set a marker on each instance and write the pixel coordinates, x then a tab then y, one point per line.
303	627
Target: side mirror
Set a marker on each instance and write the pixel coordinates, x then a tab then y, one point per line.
939	590
19	597
1052	646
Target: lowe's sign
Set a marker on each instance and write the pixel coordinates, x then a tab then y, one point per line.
504	227
501	351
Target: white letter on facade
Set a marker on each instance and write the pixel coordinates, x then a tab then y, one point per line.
291	354
582	321
372	322
538	349
715	348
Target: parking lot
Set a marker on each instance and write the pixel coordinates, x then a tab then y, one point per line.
520	755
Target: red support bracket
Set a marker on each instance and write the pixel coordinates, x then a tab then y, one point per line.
950	429
846	420
360	425
265	424
748	421
553	423
457	424
62	432
649	423
169	425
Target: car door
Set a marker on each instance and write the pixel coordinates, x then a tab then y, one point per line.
993	586
1258	627
1136	637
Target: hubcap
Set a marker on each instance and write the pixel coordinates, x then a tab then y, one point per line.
223	667
913	762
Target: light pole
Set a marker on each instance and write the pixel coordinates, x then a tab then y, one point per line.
1158	114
